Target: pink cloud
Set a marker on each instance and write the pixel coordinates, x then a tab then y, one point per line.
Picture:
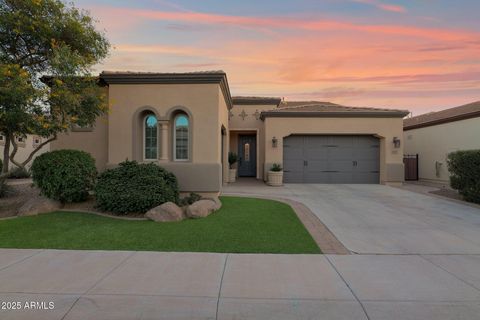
383	6
111	14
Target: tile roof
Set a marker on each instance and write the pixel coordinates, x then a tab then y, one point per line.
466	111
318	106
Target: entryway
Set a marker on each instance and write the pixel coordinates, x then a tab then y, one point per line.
247	155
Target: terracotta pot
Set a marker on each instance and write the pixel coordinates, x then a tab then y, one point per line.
275	178
232	175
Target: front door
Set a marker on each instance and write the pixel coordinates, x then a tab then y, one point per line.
247	155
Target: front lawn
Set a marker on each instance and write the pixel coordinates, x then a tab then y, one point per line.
242	225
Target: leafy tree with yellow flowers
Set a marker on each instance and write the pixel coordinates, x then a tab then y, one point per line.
47	51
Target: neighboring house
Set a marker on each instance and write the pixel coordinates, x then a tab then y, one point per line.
188	122
25	148
434	135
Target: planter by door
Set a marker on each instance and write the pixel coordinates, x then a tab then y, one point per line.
275	178
232	175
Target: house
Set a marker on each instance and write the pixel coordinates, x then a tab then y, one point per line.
434	135
188	122
26	145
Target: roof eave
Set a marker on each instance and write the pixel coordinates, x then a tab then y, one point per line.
172	78
333	114
442	121
266	101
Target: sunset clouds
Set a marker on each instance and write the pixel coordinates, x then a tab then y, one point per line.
358	52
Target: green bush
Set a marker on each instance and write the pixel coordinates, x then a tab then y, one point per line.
18	173
464	167
64	175
276	167
190	199
3	187
135	188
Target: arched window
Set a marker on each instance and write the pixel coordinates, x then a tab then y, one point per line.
181	137
150	138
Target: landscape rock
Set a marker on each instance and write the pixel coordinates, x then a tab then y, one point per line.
202	208
166	212
38	204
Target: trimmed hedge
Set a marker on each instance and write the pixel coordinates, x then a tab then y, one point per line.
64	175
135	188
464	167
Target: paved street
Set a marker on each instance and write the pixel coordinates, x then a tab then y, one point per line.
150	285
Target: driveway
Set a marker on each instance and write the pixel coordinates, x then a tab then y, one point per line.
377	219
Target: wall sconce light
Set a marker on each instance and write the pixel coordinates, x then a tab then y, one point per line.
396	142
274	142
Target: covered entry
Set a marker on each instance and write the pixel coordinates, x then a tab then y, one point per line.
331	159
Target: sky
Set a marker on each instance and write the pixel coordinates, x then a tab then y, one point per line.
421	55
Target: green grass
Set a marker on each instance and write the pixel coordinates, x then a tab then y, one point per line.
242	225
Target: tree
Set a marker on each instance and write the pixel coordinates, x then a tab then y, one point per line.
47	51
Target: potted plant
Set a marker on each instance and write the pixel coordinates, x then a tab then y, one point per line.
232	159
275	175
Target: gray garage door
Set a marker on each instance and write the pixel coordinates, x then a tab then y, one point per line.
331	159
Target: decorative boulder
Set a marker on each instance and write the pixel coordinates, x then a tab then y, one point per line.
202	208
36	205
168	211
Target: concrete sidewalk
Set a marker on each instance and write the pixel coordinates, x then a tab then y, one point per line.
153	285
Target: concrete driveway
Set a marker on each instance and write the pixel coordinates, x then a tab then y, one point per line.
377	219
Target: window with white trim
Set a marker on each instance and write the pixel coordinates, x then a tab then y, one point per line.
150	138
181	137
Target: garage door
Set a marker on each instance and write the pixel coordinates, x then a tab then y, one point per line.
331	159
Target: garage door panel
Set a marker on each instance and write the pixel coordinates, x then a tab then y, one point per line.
317	165
331	159
319	153
367	166
294	165
341	165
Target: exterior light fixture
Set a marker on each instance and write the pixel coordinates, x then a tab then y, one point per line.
274	142
396	142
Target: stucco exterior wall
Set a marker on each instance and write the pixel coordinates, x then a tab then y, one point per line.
250	124
199	101
94	141
24	150
223	123
433	143
391	158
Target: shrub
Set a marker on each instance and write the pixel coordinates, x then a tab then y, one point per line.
464	167
3	187
232	159
64	175
135	188
18	173
276	167
188	200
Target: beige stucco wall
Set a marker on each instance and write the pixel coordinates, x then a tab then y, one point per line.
251	125
94	141
203	171
223	123
432	144
24	150
391	159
